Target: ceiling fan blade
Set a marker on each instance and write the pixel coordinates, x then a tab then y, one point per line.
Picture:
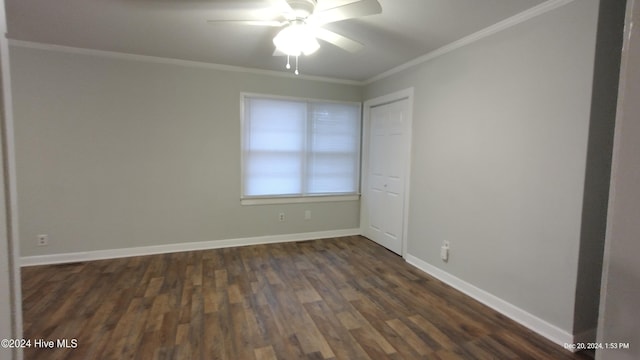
347	11
273	23
323	5
282	6
338	40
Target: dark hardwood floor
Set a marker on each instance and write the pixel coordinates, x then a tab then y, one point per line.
343	298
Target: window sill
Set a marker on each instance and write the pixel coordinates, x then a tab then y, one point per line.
296	200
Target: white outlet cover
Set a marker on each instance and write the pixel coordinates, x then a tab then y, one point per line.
444	253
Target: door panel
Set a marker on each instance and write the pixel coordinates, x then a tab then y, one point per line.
387	163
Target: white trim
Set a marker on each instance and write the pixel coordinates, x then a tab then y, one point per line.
10	189
297	200
180	62
627	94
366	110
389	98
180	247
542	327
245	94
495	28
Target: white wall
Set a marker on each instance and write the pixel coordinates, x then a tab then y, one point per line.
619	316
6	308
115	153
498	160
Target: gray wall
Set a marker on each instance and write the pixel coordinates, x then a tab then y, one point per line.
597	173
619	316
115	153
499	155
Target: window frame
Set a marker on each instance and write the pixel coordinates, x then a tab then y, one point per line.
287	199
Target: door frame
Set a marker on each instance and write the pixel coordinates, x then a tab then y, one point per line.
406	94
9	237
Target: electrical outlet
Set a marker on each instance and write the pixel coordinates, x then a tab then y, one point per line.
444	251
307	214
281	217
43	240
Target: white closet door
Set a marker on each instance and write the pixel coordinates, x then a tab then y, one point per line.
387	161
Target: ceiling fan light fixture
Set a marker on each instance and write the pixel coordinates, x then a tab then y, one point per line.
301	9
296	39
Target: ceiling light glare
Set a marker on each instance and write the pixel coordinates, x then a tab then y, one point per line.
296	39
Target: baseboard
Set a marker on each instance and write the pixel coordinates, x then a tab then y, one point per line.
530	321
190	246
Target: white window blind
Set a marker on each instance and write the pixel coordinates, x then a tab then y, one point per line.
298	148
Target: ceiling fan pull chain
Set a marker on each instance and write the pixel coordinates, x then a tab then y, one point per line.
296	72
288	65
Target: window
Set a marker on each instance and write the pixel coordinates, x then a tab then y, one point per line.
296	148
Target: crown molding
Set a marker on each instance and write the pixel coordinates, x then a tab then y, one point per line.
172	61
495	28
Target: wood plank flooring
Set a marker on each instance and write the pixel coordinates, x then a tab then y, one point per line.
342	298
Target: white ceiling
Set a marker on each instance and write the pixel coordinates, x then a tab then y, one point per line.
177	29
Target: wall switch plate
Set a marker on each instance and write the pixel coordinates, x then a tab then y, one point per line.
307	214
43	240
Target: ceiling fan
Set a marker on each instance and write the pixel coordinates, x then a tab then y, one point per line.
302	20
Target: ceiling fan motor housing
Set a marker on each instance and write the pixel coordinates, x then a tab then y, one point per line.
302	8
